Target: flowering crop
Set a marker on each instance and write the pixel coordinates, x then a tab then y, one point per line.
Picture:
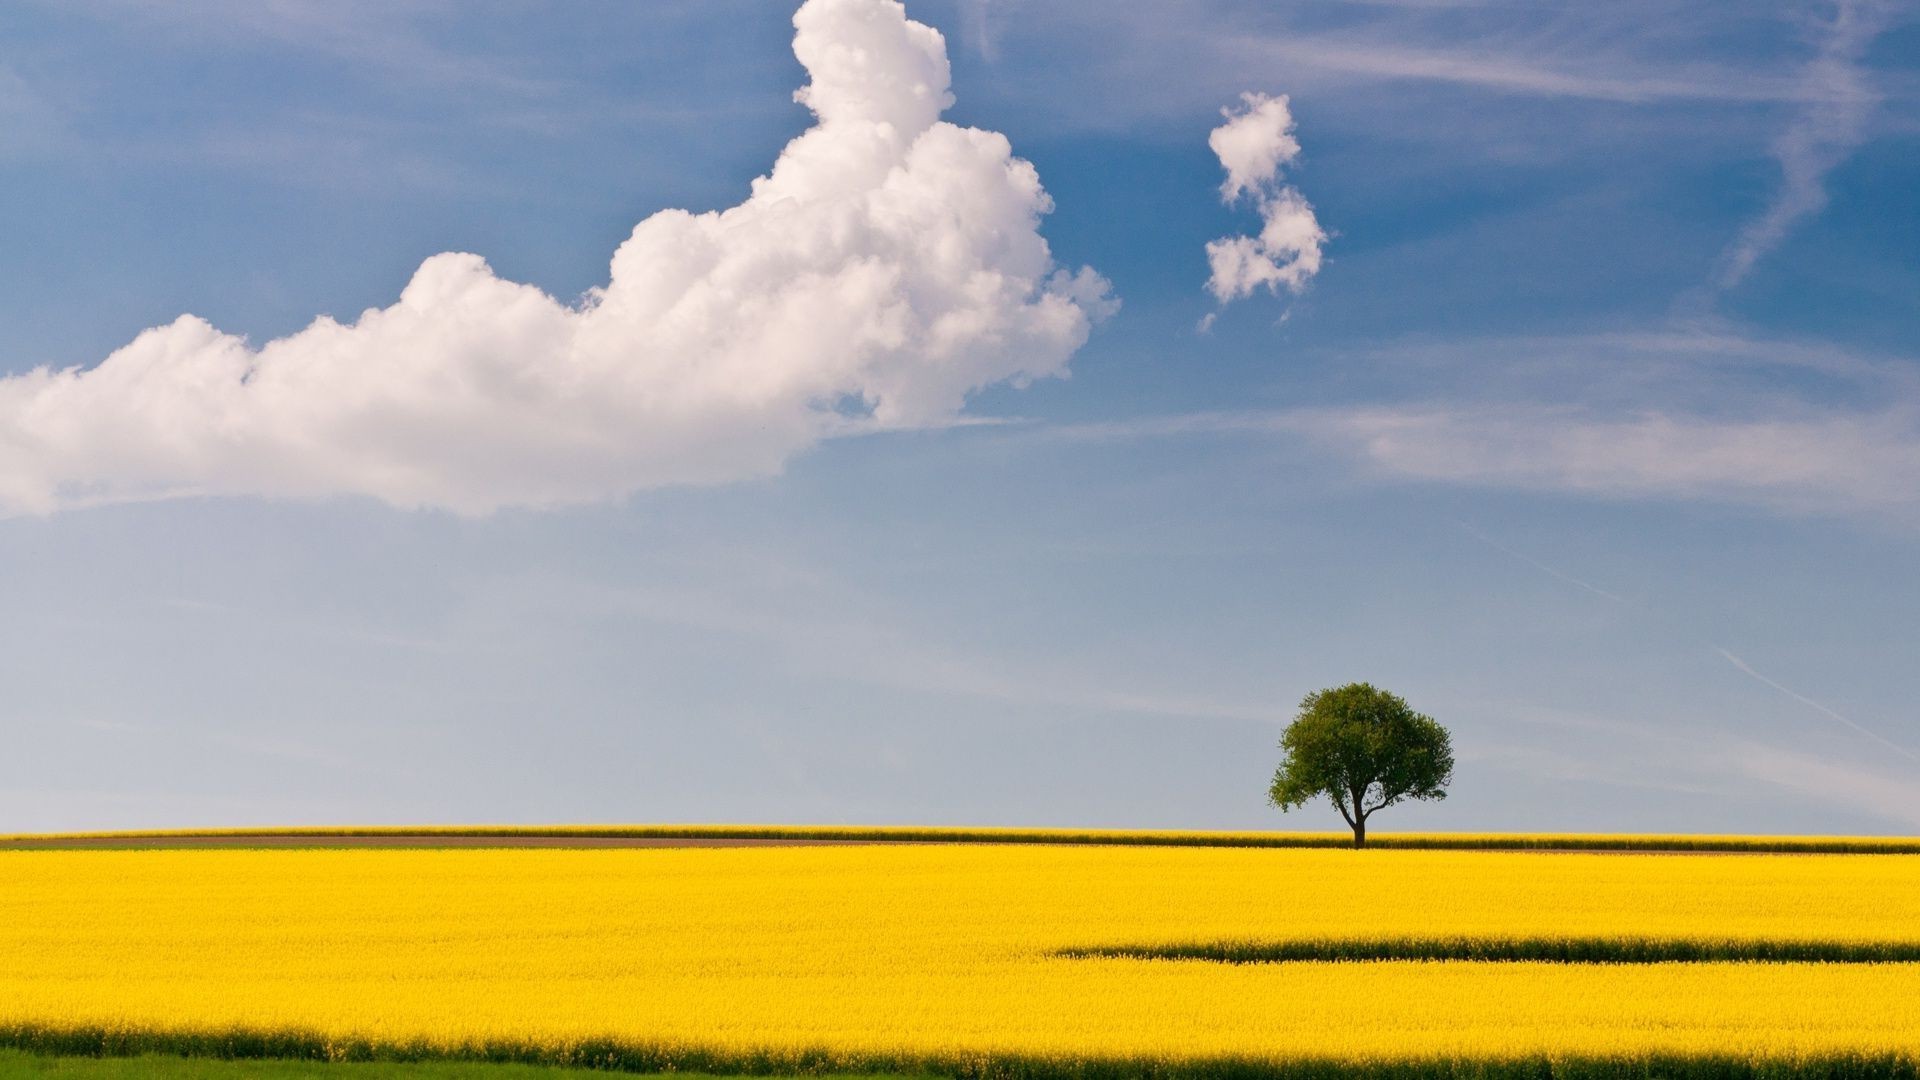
948	957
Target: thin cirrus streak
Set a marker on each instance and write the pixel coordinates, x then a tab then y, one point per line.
1540	566
1585	79
1831	123
1741	665
1747	669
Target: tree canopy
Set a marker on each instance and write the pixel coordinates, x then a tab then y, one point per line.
1364	749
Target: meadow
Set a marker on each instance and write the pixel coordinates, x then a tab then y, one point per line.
987	959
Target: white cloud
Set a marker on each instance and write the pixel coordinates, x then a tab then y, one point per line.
888	266
1255	143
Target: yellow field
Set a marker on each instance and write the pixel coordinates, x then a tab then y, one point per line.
942	955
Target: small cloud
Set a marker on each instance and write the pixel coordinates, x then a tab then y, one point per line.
1253	146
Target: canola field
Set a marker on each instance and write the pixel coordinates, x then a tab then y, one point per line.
977	959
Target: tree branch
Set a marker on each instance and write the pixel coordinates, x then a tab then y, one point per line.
1340	805
1386	800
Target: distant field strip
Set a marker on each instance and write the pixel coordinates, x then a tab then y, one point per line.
15	1065
945	958
1588	950
663	835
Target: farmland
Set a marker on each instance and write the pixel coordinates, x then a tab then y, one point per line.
1020	959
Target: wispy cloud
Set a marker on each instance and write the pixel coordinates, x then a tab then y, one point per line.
820	625
1747	669
1540	566
1688	760
1129	68
387	38
1837	462
1837	783
451	89
1808	462
1837	97
1669	414
1506	73
980	22
1630	53
27	119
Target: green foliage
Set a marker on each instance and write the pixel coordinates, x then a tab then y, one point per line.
1567	950
1365	750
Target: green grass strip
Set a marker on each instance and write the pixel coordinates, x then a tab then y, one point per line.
68	1042
18	1065
1567	950
913	834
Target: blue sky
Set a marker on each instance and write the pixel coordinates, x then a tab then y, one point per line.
1597	435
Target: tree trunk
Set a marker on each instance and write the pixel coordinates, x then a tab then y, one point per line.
1359	832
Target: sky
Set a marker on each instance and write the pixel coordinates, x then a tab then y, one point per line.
571	423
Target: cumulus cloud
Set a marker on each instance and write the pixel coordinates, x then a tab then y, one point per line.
1255	143
888	266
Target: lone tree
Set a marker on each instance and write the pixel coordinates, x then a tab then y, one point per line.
1363	748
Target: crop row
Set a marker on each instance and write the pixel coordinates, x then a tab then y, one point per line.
1560	950
640	1057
